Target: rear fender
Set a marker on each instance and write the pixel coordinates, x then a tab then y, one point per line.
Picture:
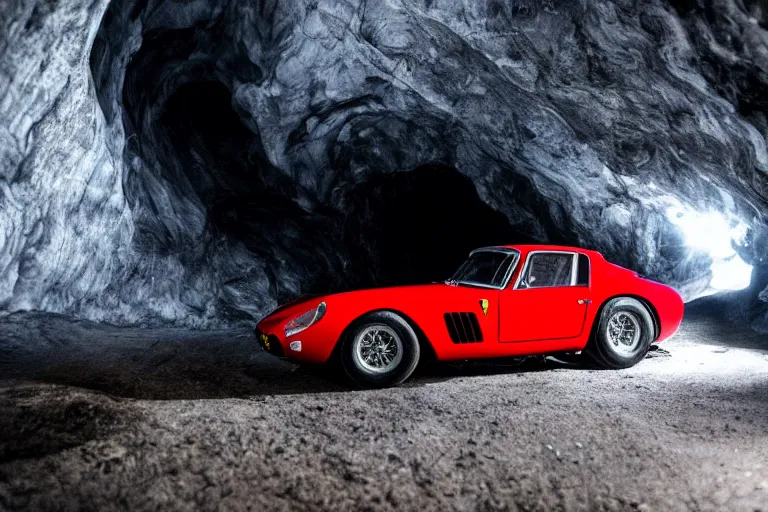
642	300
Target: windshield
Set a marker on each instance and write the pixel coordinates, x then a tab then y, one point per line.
486	268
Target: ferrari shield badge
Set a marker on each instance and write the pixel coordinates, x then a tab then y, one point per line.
484	306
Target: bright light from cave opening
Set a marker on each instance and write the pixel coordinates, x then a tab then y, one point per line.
710	232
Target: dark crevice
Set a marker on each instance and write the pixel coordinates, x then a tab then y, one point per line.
418	226
221	160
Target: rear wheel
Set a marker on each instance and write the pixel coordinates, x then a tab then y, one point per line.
379	350
624	333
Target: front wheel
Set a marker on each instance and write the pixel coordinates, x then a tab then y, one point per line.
379	350
624	333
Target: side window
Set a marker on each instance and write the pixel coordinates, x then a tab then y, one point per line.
548	269
582	278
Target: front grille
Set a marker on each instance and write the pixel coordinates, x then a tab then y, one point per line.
463	327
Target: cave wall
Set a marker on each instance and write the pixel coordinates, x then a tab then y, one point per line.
198	162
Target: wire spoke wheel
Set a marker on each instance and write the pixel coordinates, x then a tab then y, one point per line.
623	332
380	349
377	348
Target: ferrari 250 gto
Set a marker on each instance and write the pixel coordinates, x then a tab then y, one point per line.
503	301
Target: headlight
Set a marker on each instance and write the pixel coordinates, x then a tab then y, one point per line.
303	321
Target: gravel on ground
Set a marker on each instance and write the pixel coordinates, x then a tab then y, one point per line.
99	417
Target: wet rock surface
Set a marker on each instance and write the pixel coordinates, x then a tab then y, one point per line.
205	421
196	163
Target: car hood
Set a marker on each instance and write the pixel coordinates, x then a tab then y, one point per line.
301	304
389	290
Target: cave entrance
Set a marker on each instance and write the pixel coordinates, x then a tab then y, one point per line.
419	226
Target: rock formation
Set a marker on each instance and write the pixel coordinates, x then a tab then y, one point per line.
197	162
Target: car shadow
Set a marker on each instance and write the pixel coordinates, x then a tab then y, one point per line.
171	364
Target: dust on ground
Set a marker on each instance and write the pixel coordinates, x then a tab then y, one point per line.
99	417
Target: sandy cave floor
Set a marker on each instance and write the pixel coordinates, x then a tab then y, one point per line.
98	417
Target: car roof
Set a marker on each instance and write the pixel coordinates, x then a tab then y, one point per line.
540	247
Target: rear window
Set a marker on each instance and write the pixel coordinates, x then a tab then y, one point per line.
582	278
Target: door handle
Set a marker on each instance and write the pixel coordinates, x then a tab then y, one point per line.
584	301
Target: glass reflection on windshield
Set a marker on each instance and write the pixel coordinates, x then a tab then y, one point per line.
486	268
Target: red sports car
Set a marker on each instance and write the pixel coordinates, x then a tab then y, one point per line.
503	301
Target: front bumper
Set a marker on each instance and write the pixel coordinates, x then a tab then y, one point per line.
313	345
270	343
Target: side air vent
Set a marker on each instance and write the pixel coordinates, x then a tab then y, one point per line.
463	327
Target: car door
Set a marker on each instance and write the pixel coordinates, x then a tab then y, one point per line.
548	301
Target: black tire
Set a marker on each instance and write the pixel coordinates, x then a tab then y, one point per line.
392	328
605	347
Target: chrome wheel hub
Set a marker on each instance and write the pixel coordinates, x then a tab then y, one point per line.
623	332
378	348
